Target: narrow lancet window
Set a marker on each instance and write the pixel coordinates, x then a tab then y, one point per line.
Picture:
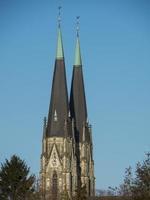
54	186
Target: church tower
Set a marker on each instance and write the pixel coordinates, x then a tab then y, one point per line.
83	131
67	157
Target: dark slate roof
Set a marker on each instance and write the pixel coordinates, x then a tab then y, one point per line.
78	101
58	110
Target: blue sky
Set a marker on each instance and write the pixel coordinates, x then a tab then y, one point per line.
115	47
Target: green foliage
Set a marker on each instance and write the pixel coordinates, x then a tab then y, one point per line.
125	189
141	184
15	182
138	187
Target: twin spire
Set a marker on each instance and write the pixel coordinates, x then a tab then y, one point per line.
60	106
60	50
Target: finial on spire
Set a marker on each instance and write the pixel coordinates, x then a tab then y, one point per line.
78	61
59	51
59	15
77	24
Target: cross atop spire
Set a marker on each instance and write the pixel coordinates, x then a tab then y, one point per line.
59	15
77	24
78	61
60	51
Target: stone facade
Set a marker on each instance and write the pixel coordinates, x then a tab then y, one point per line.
62	169
67	149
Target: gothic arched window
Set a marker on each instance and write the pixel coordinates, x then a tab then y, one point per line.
54	185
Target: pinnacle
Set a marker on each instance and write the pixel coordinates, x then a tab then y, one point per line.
60	51
77	61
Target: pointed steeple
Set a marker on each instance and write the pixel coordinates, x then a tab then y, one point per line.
60	51
77	61
58	109
77	96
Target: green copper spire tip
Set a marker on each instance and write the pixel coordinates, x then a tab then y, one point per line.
78	61
59	52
